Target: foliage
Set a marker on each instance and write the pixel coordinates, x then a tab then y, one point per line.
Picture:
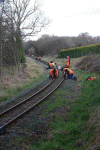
14	82
53	44
90	63
18	20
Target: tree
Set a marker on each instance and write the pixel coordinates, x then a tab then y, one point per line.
1	33
17	22
25	21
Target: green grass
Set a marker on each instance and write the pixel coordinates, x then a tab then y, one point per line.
70	130
9	92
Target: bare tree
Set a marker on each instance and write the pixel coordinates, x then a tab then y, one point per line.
18	20
25	21
1	33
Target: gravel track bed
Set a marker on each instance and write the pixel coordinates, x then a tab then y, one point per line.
24	106
23	95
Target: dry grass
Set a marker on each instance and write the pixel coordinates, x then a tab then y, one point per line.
62	61
90	63
19	78
33	69
94	141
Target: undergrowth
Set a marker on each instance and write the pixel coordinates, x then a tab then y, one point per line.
11	92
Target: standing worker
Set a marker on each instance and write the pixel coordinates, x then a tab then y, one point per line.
68	62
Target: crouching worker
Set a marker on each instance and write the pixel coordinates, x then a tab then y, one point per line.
68	72
51	65
53	73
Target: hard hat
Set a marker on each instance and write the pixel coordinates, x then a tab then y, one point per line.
51	61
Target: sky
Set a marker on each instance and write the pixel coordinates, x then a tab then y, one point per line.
71	17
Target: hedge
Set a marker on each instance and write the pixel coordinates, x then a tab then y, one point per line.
79	51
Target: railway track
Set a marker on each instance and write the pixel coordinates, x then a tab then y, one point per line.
12	114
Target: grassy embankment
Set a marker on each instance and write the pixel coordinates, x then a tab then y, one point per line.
13	84
76	124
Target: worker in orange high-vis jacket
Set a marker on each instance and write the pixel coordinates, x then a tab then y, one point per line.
91	78
53	73
39	58
51	65
68	72
68	62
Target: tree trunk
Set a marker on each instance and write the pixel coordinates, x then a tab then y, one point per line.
1	61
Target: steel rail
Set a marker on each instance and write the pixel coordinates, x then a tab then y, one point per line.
42	61
2	113
2	128
32	106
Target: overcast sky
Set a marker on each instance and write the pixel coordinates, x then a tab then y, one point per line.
71	17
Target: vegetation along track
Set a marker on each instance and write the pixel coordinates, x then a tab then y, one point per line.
10	115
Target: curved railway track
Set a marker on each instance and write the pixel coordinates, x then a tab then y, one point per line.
12	114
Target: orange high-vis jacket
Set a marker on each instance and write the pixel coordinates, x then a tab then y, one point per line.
51	65
39	58
70	71
91	78
52	74
68	62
